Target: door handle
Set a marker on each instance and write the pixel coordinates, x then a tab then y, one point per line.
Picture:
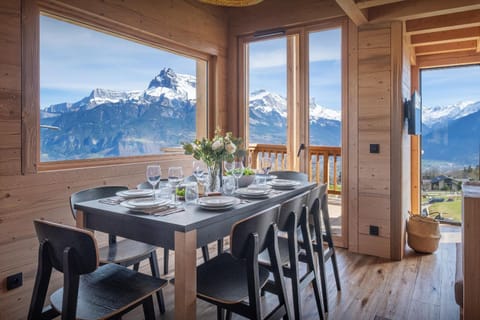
302	147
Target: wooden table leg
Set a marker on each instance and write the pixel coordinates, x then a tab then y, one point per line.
185	275
80	219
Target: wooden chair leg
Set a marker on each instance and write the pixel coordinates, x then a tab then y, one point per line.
42	279
220	313
220	246
148	311
165	260
136	266
205	253
322	275
335	269
156	273
310	256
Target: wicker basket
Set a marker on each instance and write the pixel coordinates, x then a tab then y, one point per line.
423	234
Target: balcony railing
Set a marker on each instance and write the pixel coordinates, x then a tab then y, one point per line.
324	162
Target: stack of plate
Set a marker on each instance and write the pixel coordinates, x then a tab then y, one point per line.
144	203
253	193
217	202
283	184
135	193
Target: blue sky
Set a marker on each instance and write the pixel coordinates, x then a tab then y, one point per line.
446	86
75	60
268	67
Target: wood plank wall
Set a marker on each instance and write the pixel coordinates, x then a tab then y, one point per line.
45	195
374	114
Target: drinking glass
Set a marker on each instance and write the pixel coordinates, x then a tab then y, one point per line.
266	165
153	174
191	192
228	185
199	171
175	176
237	171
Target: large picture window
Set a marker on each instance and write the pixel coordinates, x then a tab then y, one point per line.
105	96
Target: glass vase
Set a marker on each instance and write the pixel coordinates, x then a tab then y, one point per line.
213	179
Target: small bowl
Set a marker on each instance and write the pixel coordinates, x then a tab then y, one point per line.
245	181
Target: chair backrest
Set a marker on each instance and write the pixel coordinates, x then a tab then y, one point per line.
258	224
93	194
294	205
56	238
315	198
291	175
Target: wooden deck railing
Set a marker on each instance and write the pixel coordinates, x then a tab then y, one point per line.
324	166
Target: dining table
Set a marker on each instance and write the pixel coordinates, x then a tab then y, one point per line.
182	231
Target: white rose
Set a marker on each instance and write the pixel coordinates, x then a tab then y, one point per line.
194	146
217	145
231	148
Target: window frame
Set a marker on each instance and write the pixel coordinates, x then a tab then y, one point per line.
30	118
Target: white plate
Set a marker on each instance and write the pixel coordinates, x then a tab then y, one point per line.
284	184
216	207
252	192
135	193
144	203
216	201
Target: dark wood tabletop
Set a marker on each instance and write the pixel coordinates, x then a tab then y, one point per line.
159	230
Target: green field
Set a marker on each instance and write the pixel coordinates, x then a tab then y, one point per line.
448	209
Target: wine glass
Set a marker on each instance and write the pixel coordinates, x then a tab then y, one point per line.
199	171
153	173
228	165
266	165
175	176
237	171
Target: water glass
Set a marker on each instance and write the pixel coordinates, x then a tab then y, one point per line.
237	171
191	192
175	176
266	165
228	185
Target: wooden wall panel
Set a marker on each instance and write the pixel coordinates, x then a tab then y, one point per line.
374	116
23	198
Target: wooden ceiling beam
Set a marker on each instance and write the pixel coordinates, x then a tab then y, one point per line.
448	59
444	22
445	36
358	16
413	9
469	45
365	4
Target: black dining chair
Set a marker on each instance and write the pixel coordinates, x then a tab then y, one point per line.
292	220
318	213
290	175
232	281
89	292
125	252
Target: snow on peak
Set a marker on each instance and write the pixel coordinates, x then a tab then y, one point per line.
437	114
319	112
172	85
268	102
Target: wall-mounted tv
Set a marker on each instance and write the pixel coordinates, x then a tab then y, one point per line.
413	113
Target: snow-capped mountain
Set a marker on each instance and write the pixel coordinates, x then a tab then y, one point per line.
439	114
110	123
268	120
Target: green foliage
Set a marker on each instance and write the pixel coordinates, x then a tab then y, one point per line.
448	209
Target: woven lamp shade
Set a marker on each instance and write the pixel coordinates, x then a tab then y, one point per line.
232	3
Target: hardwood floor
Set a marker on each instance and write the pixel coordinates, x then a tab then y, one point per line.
418	287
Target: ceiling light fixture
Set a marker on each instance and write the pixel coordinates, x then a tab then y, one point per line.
232	3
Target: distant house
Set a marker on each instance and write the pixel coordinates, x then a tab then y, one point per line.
445	183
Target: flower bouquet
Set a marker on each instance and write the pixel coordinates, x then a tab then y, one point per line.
213	152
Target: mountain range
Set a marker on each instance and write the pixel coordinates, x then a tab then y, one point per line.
110	123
